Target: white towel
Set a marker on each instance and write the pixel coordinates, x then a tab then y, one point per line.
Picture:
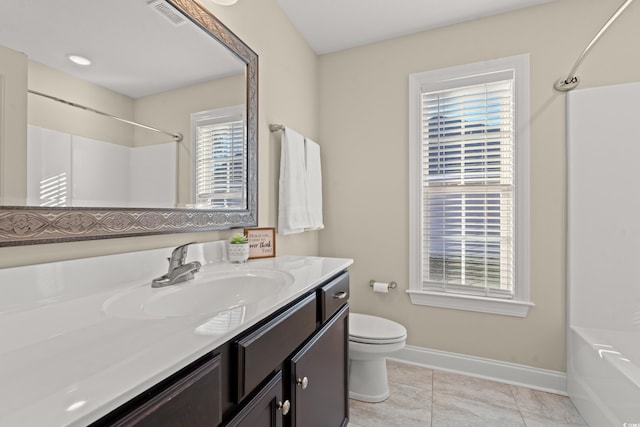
314	185
293	215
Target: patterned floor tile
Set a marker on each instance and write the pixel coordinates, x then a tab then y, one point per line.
413	375
546	406
406	406
462	386
422	397
452	411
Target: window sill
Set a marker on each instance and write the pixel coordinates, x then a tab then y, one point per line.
471	303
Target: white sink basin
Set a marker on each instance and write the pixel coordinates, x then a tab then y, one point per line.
210	292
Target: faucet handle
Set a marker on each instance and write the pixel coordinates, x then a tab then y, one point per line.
179	255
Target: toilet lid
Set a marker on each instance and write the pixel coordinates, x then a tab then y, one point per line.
374	330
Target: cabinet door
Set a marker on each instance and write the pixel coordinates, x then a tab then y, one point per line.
265	409
261	352
319	376
191	401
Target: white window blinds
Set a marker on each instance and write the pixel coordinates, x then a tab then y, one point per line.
468	187
220	162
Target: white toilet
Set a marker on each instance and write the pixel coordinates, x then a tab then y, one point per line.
371	339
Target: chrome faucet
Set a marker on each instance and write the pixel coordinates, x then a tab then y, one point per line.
178	270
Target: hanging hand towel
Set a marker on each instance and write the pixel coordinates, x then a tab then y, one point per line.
314	185
293	216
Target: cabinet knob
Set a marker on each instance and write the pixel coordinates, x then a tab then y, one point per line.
340	295
284	406
303	382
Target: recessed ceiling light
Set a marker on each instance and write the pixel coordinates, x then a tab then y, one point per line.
79	60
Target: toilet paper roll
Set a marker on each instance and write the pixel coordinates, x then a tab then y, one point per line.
381	287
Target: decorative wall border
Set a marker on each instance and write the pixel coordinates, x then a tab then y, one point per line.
27	225
34	225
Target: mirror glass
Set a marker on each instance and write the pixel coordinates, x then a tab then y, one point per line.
162	117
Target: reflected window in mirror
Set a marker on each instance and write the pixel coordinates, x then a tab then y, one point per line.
220	159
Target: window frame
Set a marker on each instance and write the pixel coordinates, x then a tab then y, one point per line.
222	115
452	77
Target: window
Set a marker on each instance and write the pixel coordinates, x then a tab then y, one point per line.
53	190
469	176
219	159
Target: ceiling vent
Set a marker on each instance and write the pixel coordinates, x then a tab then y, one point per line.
167	11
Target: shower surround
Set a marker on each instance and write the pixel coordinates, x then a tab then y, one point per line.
603	369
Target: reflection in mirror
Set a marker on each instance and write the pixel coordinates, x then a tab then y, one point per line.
219	158
155	63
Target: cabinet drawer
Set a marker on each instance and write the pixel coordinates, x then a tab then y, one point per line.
333	295
192	400
261	352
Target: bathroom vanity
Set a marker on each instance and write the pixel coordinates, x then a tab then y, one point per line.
290	367
91	358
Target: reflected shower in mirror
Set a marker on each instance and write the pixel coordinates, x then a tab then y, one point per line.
158	115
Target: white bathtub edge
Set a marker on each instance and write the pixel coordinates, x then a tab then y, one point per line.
495	370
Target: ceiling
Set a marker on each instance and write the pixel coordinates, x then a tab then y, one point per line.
333	25
136	51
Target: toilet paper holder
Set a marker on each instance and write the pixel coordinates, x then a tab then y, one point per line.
392	285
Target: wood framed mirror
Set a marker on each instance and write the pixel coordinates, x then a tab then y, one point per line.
35	210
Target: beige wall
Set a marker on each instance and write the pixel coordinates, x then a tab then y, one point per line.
364	135
287	94
13	126
50	114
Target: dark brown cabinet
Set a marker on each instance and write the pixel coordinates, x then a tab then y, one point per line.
265	409
263	350
332	296
319	377
314	393
191	399
289	370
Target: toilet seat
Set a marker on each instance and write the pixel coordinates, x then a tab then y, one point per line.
374	330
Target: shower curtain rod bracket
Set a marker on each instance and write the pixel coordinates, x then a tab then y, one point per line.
565	85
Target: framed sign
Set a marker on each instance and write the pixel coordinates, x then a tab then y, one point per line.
262	242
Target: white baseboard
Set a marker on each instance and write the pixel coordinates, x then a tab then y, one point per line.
495	370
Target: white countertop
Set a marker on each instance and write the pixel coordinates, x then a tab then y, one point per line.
66	361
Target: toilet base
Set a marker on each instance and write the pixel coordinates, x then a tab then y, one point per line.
368	380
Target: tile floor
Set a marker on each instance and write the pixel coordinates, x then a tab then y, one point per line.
425	397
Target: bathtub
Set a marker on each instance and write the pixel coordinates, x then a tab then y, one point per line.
603	254
603	376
